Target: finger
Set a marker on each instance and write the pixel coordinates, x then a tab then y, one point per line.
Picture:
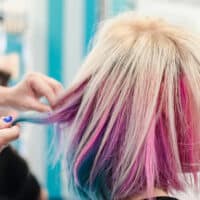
36	105
55	85
9	134
5	122
41	88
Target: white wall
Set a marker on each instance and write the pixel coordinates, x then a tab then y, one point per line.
184	14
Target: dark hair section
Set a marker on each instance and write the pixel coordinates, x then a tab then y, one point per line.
16	181
4	78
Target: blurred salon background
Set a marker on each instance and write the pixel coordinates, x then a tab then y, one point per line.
53	37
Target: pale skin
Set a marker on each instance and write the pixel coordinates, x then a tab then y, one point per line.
26	96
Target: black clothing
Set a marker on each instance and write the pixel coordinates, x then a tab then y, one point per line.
164	198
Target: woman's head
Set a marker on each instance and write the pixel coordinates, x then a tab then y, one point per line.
132	113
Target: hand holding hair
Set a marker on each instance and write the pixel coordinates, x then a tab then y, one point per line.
8	132
26	94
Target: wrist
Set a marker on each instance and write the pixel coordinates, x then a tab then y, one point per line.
6	96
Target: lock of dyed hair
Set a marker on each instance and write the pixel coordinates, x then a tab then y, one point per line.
129	122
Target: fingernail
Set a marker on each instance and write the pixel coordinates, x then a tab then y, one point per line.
7	119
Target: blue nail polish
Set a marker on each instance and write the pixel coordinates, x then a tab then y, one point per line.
7	119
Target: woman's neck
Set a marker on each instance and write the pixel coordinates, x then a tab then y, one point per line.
156	192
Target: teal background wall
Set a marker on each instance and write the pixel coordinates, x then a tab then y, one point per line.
122	5
91	21
55	70
118	6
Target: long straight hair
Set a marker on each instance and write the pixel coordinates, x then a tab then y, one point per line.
130	120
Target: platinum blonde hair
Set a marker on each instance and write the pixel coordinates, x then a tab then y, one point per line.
133	110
